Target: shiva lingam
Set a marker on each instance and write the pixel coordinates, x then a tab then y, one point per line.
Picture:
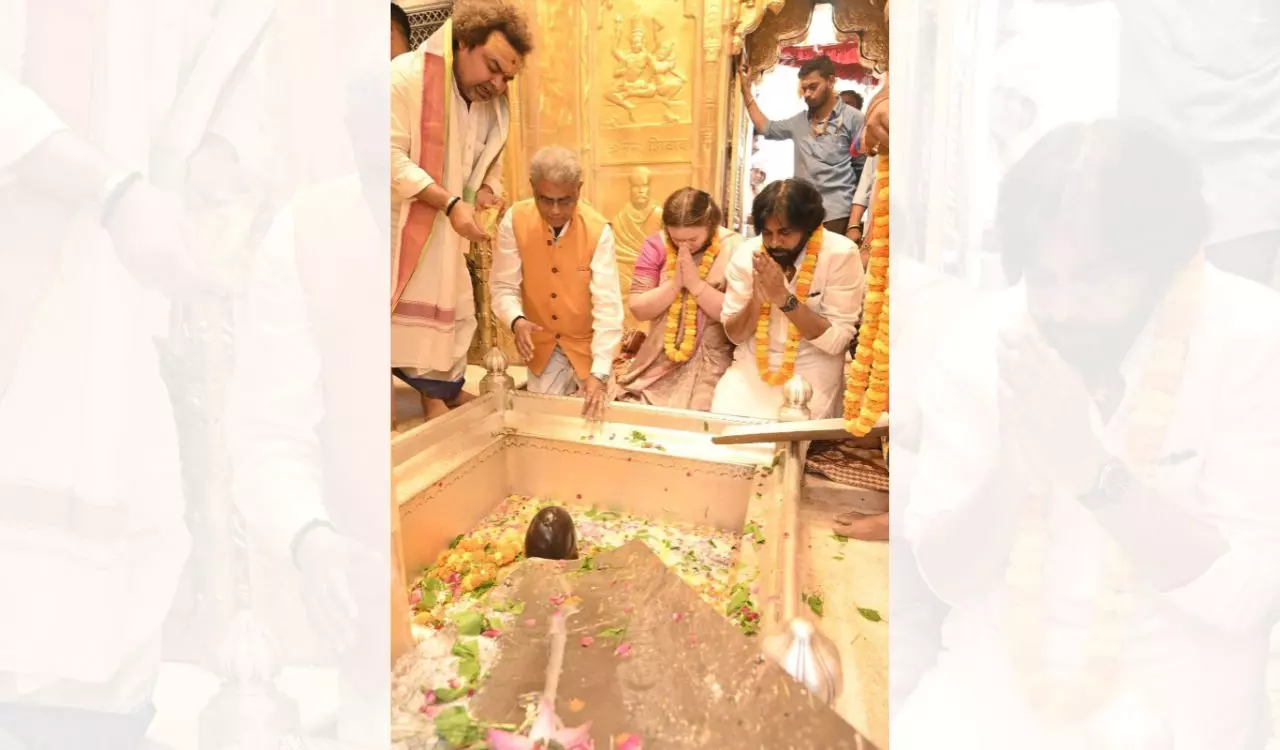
809	656
551	535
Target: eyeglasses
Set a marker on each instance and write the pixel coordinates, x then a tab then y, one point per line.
565	202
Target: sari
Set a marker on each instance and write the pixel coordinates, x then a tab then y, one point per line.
652	377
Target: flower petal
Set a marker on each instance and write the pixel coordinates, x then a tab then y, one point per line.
622	650
500	740
587	641
626	742
576	738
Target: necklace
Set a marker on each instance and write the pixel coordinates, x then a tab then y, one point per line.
866	394
682	316
812	249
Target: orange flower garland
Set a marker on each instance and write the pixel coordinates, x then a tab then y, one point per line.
682	317
804	277
867	394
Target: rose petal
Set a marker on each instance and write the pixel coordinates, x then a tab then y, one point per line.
500	740
575	738
490	633
677	616
415	596
622	650
587	641
693	638
626	742
530	622
558	599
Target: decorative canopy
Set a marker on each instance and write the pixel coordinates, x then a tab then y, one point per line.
846	56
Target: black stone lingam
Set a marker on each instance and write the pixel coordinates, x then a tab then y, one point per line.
551	535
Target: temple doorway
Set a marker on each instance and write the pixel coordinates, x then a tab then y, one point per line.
852	33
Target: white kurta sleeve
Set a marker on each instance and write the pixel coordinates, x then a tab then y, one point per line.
841	300
493	178
407	178
1240	591
506	276
276	402
738	282
606	306
25	121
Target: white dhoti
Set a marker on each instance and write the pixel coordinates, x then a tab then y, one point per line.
557	379
742	393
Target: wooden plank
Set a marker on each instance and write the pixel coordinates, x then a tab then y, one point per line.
785	432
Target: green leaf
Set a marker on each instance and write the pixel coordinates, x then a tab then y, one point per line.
608	515
457	728
870	614
815	603
588	563
466	650
483	589
612	633
592	513
642	534
469	623
706	426
455	541
740	597
431	589
449	695
838	557
839	537
511	606
469	669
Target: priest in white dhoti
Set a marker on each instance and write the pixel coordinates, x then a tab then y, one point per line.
1092	494
791	307
555	284
96	112
449	125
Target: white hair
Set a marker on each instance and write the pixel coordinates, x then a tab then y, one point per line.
557	165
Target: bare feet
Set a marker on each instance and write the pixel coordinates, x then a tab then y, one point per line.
462	399
433	407
874	528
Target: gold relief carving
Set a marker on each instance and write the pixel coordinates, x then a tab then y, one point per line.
711	31
787	26
866	21
646	71
632	225
751	13
653	145
557	45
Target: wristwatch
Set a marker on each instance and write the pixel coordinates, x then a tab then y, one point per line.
602	378
791	304
1114	481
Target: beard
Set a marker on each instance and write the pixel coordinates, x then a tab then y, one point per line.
786	258
1096	350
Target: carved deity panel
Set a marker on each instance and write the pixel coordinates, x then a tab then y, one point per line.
646	61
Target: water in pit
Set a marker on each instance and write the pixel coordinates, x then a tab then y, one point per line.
458	625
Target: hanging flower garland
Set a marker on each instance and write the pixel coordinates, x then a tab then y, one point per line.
804	277
866	394
682	316
1056	699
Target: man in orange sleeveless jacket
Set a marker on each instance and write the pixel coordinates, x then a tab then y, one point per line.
555	283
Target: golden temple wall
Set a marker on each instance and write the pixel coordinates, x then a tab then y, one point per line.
645	92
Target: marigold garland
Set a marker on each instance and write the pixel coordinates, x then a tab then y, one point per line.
804	277
866	394
682	316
